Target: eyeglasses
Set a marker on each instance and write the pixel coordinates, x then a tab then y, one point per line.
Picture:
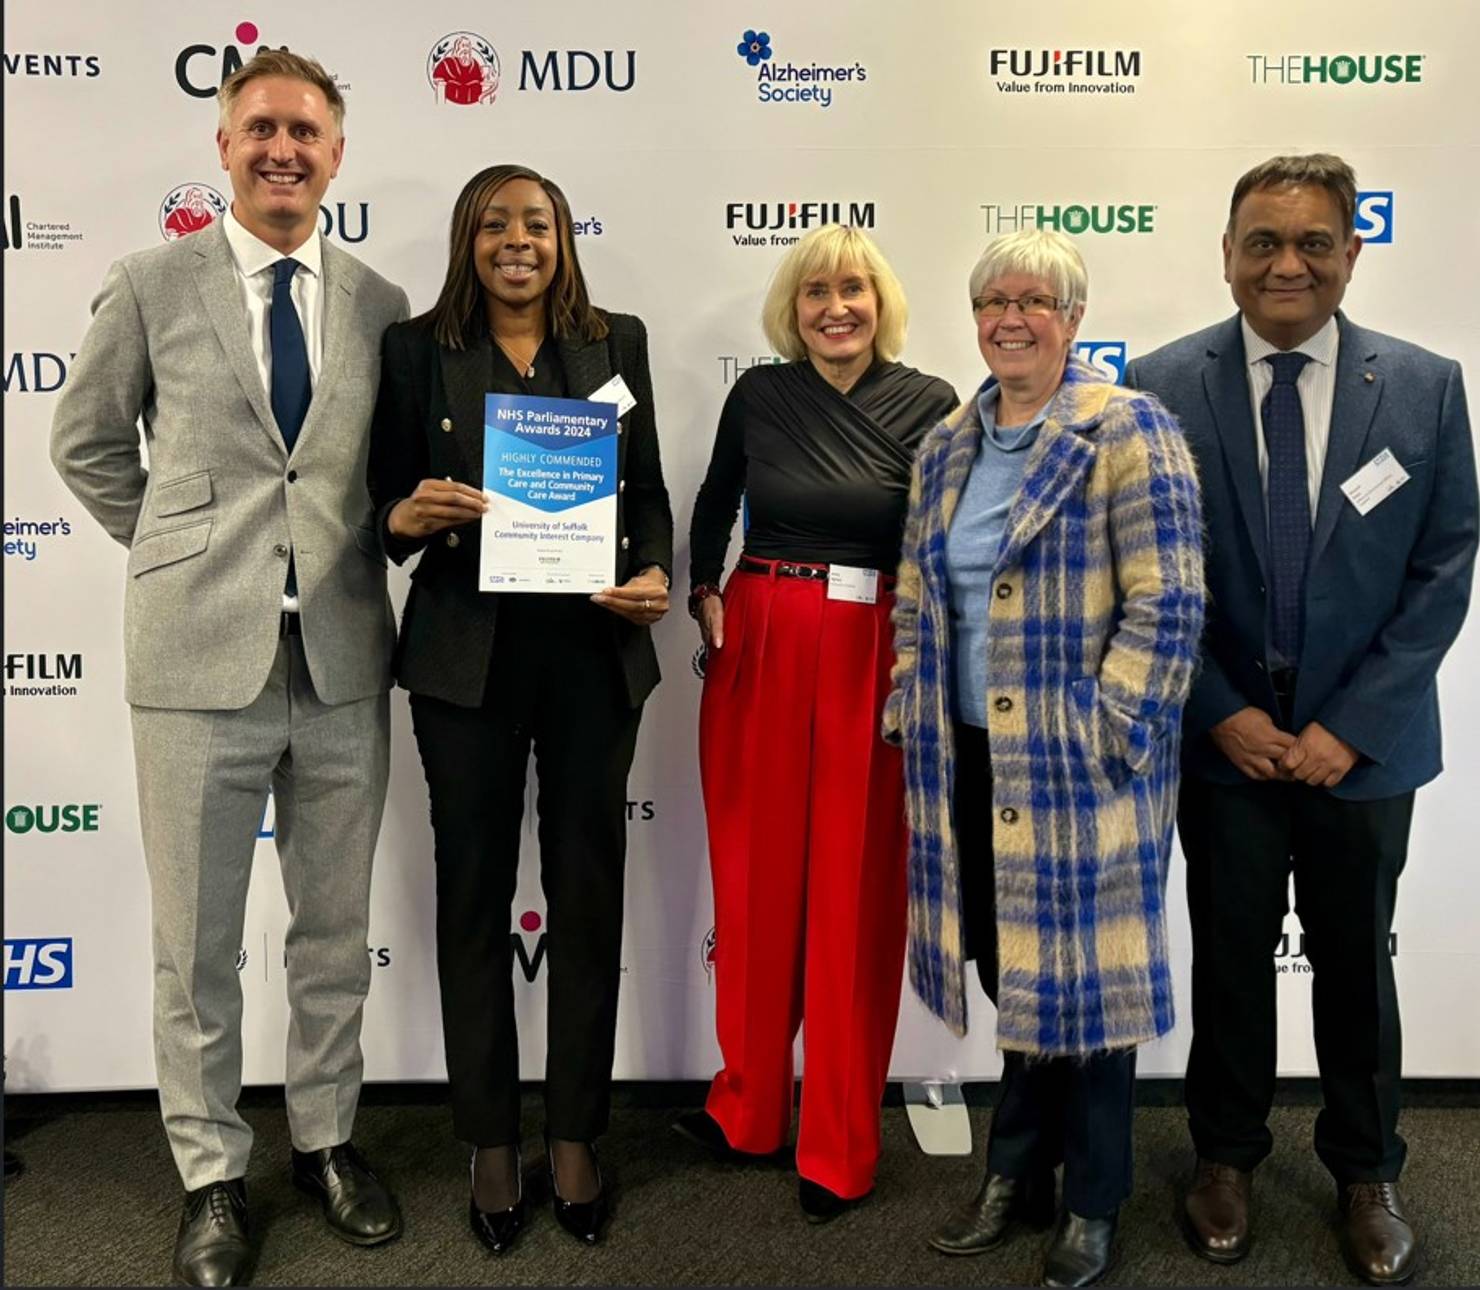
1035	305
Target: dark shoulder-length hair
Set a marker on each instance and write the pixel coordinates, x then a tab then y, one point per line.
458	316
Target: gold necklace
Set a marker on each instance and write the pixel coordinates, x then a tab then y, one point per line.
520	364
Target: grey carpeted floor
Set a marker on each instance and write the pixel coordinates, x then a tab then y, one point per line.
98	1205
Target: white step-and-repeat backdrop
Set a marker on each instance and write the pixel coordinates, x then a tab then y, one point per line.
690	162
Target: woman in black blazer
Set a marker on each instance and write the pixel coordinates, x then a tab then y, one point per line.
492	674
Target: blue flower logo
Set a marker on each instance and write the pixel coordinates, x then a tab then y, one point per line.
754	47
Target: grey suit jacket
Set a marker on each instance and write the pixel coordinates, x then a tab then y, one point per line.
209	524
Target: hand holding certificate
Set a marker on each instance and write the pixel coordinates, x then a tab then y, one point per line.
550	476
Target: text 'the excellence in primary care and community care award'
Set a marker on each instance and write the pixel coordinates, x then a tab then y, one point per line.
550	476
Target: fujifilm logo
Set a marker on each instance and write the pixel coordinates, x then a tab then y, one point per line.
783	223
1065	71
42	675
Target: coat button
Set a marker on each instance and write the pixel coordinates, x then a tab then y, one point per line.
626	542
447	424
1004	589
1008	815
1003	704
621	485
280	551
292	476
453	539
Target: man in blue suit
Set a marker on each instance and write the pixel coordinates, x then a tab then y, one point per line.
1339	490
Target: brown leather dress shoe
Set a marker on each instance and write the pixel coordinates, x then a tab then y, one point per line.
1379	1243
1217	1212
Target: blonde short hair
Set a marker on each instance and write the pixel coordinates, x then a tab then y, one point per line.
281	62
831	249
1040	252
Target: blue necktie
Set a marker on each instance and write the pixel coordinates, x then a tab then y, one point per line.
1288	496
291	390
291	387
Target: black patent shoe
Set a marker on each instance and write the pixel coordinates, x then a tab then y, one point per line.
356	1204
982	1223
497	1228
212	1246
1080	1251
821	1205
583	1219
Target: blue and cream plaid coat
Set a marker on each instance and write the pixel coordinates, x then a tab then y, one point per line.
1095	619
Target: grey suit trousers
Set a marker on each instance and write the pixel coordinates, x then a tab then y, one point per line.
203	780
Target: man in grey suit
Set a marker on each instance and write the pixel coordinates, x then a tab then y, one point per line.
257	635
1339	491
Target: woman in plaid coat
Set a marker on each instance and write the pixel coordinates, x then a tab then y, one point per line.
1049	605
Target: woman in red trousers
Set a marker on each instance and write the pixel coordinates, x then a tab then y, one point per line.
805	802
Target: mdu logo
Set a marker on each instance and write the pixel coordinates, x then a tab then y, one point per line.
1374	217
1107	355
38	964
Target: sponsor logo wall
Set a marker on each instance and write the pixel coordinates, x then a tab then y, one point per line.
694	147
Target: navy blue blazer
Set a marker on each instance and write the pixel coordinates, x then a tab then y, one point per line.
1385	593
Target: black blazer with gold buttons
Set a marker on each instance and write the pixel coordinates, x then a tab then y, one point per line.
429	424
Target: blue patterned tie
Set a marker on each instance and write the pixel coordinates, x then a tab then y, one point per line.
291	387
1288	494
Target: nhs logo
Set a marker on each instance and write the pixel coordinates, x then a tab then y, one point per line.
1374	217
1107	355
38	965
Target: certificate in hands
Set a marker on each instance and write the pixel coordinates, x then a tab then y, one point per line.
550	475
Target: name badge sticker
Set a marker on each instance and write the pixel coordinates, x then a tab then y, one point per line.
1378	480
614	391
844	582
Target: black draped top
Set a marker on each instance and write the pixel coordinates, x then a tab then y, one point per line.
826	474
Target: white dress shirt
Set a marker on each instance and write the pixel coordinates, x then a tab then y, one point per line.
254	261
1317	386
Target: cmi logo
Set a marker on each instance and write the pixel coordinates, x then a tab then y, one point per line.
38	964
1374	217
529	960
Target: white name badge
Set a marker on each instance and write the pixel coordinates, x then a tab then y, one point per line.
1380	478
614	391
844	582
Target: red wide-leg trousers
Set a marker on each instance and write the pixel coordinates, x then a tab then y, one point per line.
807	843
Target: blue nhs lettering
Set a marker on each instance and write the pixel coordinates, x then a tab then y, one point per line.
1374	217
1107	355
38	964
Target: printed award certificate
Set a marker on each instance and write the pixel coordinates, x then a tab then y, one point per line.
550	476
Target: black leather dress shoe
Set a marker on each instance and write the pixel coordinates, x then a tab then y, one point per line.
1080	1251
211	1247
356	1204
497	1228
703	1129
821	1205
583	1219
982	1223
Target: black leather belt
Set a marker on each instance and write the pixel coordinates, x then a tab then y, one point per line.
788	569
288	625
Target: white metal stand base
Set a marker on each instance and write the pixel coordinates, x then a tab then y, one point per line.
938	1116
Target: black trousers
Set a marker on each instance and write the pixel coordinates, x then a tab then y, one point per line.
1242	842
555	685
1074	1111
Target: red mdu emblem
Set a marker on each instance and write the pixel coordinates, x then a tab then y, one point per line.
706	953
188	209
463	69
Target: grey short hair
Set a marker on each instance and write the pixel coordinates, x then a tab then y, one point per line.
1042	252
